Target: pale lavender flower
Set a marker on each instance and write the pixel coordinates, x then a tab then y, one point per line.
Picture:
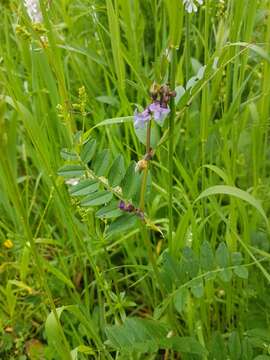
33	10
155	110
191	5
159	112
140	119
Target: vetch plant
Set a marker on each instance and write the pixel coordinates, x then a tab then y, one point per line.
145	232
157	111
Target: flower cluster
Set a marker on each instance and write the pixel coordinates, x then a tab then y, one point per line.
191	5
158	109
127	207
33	10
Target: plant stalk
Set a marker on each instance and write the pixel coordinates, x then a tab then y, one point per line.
145	173
171	149
145	232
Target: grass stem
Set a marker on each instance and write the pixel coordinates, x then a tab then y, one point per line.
171	149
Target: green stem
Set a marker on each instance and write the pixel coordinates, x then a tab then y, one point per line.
187	49
145	173
145	232
171	149
151	257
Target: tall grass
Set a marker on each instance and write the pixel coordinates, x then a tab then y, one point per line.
192	280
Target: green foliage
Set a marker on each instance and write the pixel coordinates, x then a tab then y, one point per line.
189	276
147	336
101	181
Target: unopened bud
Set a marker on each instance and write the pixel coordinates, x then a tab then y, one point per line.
141	165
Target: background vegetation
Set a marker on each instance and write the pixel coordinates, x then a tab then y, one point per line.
122	290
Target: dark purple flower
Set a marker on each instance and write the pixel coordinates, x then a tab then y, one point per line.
129	208
122	205
126	206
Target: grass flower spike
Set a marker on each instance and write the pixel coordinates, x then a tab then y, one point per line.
191	5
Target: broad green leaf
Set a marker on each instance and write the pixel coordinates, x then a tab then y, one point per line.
206	256
123	223
53	332
191	82
102	163
77	137
223	261
225	275
222	255
197	288
186	345
180	299
236	258
110	211
170	271
180	90
234	345
85	187
54	335
136	335
241	271
247	351
218	348
189	262
236	192
148	336
97	198
70	171
117	171
131	182
68	154
88	150
259	336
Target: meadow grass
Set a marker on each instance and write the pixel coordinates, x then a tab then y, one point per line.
181	271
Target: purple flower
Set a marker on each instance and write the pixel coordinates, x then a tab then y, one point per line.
126	206
141	118
156	110
122	205
160	112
